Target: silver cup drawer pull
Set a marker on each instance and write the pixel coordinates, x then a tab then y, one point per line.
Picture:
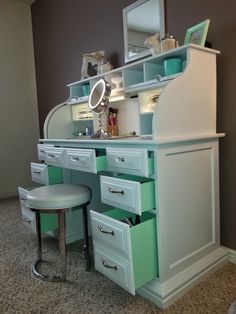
75	159
27	220
116	192
52	156
119	159
37	171
108	266
104	231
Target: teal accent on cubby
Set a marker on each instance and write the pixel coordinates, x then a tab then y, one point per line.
133	76
146	123
143	237
152	69
76	90
55	175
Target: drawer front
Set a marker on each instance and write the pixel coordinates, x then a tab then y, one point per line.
22	196
135	262
39	173
117	269
55	156
128	161
28	218
81	159
111	233
121	193
42	151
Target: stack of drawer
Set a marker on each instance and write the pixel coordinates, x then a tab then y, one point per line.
126	252
87	160
44	175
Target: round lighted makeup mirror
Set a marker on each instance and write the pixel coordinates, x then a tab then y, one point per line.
98	102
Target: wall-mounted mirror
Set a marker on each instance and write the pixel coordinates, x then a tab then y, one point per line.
141	19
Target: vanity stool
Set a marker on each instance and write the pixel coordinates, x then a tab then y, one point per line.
59	199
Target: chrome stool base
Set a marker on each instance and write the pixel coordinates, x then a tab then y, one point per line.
61	238
58	199
44	277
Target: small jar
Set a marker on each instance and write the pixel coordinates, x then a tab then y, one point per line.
105	67
168	42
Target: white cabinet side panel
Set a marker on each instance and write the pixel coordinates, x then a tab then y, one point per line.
188	204
187	105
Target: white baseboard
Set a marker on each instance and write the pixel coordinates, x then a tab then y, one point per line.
165	293
232	256
9	194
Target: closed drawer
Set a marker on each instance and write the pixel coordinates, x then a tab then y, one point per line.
55	156
127	254
85	160
130	193
41	151
45	174
131	161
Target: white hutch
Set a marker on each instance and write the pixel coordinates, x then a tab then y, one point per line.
167	174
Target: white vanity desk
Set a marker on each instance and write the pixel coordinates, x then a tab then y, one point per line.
168	175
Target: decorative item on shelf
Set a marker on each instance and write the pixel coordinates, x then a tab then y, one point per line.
169	42
153	43
91	63
112	126
116	82
105	66
197	34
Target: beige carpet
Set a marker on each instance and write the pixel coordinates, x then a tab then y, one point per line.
86	292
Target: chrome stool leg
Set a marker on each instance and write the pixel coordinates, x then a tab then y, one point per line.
39	248
61	224
62	245
86	238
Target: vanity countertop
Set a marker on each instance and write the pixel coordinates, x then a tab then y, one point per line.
132	140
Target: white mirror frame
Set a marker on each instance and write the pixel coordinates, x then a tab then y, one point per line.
160	16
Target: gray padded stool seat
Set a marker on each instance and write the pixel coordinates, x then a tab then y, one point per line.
59	199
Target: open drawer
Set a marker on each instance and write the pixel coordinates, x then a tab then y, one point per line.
48	222
131	193
88	160
45	174
125	254
138	162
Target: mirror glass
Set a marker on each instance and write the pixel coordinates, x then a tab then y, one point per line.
98	102
141	19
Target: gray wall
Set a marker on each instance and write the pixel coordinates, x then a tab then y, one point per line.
64	30
19	127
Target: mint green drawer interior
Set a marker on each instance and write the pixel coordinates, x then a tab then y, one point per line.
86	160
138	162
143	237
55	175
48	222
131	193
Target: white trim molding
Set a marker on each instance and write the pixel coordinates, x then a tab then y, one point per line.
232	256
166	293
